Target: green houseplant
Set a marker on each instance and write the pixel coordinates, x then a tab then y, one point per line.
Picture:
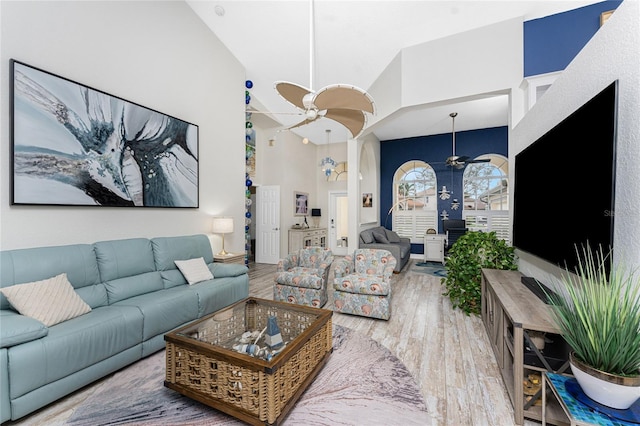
470	253
598	315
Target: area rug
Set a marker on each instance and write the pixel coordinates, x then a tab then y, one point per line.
362	383
431	268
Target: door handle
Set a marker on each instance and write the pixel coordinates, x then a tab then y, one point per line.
276	229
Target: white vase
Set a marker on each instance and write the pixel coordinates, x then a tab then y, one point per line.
607	389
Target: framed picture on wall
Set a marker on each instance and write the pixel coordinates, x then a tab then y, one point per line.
301	203
367	199
74	145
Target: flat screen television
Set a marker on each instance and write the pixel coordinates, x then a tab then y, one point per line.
564	185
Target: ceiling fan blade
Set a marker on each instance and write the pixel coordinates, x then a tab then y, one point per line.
353	120
303	123
292	93
344	96
483	160
462	159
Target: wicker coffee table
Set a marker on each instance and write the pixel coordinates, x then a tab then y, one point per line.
204	362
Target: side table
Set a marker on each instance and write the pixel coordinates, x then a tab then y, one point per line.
578	413
434	247
229	258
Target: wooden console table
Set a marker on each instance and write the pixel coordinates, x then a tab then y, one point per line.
308	237
511	313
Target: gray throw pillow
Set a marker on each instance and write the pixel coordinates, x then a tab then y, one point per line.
392	236
367	237
380	237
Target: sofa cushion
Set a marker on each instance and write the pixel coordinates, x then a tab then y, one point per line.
124	258
392	236
18	329
164	310
78	261
49	301
72	346
167	250
194	270
127	287
366	236
380	236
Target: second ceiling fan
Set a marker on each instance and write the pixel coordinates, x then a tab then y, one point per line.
459	161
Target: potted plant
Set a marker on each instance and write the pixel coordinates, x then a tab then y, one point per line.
598	315
470	253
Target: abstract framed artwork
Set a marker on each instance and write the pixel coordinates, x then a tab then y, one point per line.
301	203
73	145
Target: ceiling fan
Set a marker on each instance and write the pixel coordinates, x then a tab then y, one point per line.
343	103
459	161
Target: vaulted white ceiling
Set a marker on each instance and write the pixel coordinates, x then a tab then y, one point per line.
354	41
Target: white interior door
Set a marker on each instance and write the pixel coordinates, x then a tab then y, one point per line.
267	221
338	222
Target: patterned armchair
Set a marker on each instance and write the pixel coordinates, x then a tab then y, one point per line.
301	277
362	284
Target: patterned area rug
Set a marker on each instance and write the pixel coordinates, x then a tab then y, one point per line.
431	268
362	383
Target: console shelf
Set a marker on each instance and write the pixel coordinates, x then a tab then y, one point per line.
512	315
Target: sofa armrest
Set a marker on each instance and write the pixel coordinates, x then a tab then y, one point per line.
17	329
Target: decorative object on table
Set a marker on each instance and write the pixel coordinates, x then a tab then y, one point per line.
599	318
301	203
583	410
75	145
273	338
222	225
472	252
316	214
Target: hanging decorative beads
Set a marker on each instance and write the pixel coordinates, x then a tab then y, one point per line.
250	148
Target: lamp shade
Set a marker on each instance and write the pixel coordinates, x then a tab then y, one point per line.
315	213
222	225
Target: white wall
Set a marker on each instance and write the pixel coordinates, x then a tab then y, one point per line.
613	53
157	54
291	165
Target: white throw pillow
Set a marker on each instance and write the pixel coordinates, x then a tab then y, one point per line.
194	270
49	301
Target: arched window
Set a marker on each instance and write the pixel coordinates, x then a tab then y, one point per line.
415	202
486	196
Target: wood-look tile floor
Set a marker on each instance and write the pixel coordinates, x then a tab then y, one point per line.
447	352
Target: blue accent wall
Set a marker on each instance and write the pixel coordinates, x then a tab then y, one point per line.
551	43
435	150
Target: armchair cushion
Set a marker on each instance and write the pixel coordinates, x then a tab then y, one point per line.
363	284
301	277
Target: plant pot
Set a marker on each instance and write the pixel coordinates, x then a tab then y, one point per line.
614	391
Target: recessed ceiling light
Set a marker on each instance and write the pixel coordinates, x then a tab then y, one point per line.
219	10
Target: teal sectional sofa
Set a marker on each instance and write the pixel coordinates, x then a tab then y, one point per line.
136	295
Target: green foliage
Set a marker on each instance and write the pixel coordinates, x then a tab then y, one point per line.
470	253
600	315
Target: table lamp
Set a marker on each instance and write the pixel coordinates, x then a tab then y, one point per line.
222	225
315	214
